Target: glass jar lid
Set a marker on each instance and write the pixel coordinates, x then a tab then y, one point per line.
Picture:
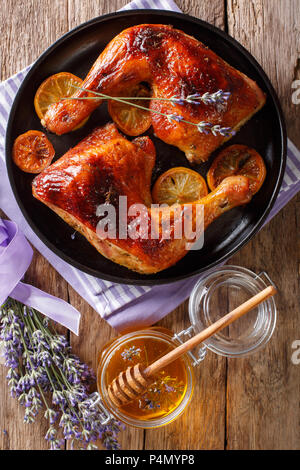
222	290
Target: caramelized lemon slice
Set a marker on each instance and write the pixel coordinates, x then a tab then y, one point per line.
237	160
53	89
129	119
179	185
33	152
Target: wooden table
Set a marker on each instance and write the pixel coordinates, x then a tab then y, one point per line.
250	403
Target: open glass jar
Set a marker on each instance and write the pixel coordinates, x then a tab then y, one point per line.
213	296
221	291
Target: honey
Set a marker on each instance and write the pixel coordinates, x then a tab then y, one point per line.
172	390
171	386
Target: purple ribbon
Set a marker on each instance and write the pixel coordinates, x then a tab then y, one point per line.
15	258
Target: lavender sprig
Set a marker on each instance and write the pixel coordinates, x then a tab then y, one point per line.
203	127
39	360
218	97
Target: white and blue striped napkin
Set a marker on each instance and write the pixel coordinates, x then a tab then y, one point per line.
121	305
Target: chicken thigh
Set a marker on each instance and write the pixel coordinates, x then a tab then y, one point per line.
173	64
104	167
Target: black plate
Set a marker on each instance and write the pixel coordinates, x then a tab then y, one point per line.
75	52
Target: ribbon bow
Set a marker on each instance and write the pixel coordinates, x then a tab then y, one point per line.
15	258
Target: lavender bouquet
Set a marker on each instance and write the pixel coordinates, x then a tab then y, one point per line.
46	377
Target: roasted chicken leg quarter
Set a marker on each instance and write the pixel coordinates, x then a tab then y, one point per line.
105	166
174	65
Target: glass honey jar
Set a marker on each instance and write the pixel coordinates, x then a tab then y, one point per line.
171	390
169	395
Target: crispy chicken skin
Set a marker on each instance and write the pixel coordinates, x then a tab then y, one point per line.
173	63
104	166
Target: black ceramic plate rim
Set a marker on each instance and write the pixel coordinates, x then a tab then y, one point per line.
269	87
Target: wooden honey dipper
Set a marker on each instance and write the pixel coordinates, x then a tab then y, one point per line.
135	380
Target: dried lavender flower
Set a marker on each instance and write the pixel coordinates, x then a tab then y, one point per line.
130	353
39	360
174	117
207	127
218	97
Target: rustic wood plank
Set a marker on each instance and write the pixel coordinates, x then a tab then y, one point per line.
79	12
26	30
263	390
211	11
202	426
95	332
15	435
268	30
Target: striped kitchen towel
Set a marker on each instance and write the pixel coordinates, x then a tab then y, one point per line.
121	305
